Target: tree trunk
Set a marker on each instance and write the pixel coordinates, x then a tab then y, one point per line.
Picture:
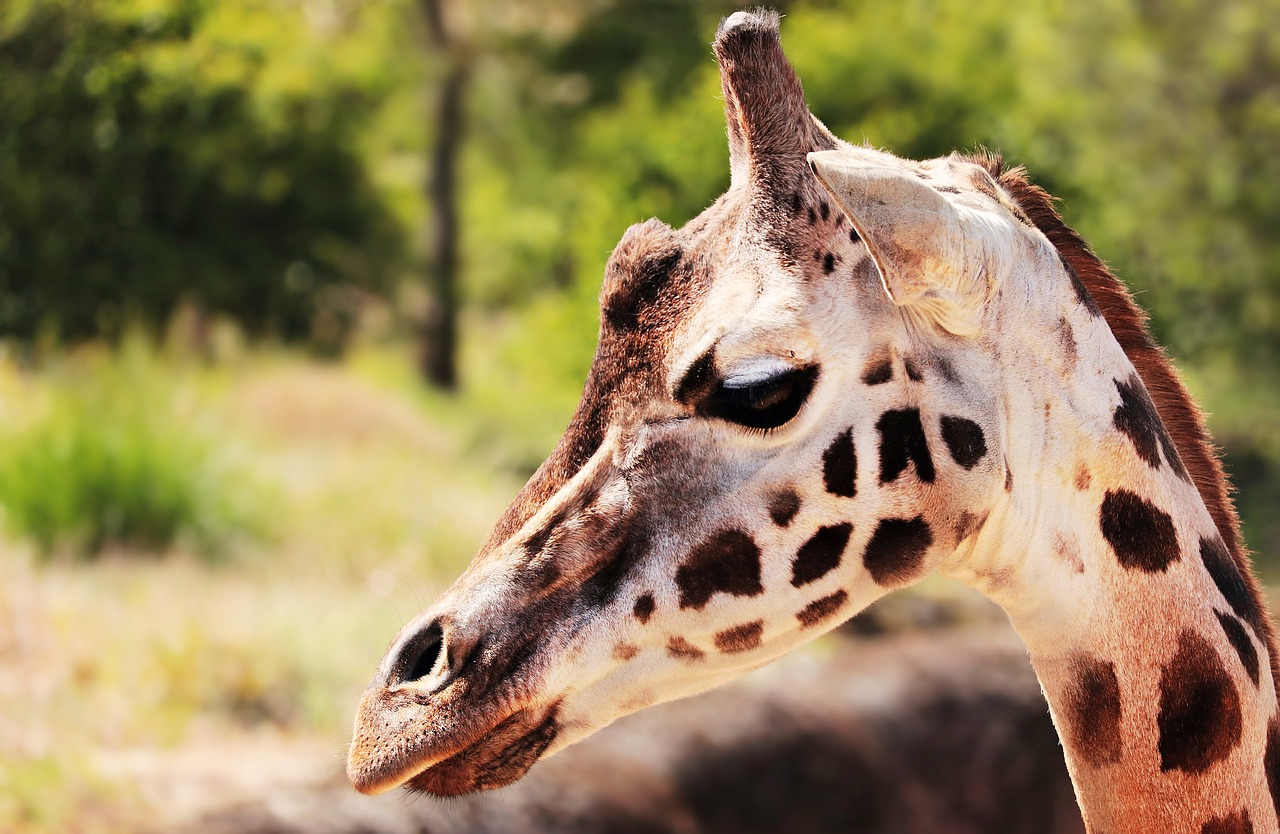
438	360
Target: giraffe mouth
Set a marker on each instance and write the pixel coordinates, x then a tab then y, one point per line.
501	757
450	758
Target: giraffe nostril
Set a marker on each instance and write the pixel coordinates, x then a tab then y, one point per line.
420	655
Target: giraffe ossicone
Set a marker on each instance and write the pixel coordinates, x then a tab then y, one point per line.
850	371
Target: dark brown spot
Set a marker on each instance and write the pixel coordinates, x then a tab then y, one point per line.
682	649
795	202
1083	477
896	550
947	189
1137	418
840	466
539	574
625	651
1271	762
1222	569
853	235
820	554
783	506
913	370
828	262
1093	712
878	371
902	440
813	216
643	608
1008	477
727	562
1239	640
1237	823
824	209
1199	718
965	440
820	609
740	638
1141	534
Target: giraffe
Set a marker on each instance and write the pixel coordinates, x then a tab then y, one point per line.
849	372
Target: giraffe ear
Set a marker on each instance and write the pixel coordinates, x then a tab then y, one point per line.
932	255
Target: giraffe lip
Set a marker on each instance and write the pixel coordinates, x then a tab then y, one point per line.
448	756
500	757
401	731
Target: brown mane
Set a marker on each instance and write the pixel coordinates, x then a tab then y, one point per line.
1182	418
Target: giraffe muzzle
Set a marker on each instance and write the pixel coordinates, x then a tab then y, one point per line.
466	697
436	743
452	710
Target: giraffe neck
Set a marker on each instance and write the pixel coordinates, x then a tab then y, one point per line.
1151	651
1162	697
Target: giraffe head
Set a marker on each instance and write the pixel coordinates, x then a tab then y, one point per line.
775	432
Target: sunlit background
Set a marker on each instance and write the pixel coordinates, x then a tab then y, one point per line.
294	295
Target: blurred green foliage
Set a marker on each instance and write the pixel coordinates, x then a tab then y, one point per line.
152	153
113	457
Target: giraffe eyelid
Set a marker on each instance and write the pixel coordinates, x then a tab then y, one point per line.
758	371
761	406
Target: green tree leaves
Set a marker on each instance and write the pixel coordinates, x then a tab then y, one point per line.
187	151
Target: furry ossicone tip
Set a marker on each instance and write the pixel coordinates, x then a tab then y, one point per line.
758	20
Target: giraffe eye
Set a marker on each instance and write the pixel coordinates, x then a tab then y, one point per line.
762	403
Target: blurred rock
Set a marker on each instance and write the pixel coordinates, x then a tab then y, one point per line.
948	606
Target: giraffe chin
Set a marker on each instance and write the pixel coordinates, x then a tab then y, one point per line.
501	757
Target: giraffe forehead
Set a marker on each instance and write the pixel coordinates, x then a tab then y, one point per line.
753	315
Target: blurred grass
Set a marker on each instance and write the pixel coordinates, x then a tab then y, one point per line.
366	493
107	450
